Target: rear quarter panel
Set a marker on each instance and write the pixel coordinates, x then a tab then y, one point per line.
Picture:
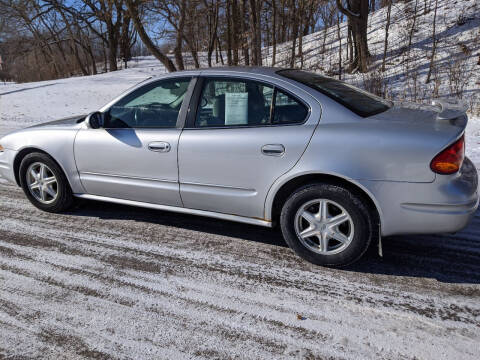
370	149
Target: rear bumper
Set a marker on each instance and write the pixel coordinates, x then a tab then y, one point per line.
444	206
6	165
438	218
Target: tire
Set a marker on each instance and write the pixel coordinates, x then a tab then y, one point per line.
63	198
342	244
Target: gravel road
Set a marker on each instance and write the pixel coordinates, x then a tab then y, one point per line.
108	281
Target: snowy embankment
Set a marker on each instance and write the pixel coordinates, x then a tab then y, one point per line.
456	71
27	104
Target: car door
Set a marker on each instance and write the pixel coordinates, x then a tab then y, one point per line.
134	156
243	135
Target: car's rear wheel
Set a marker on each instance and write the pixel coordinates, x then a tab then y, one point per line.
44	183
326	224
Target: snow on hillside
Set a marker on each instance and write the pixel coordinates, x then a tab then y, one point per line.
27	104
456	71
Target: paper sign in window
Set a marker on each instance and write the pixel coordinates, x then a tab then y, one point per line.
236	108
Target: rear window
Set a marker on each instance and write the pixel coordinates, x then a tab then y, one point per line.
359	101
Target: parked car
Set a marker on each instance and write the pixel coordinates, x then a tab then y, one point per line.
336	167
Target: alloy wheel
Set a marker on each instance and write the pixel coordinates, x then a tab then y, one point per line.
42	183
324	226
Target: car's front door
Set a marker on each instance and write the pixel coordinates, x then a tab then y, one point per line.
134	156
244	135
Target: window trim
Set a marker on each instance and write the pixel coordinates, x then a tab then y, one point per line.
197	93
181	113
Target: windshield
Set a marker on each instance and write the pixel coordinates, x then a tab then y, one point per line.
359	101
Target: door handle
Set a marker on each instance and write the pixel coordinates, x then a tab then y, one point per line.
273	149
159	146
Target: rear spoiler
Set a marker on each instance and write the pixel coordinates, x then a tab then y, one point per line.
450	109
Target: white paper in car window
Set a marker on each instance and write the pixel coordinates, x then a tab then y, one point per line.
236	108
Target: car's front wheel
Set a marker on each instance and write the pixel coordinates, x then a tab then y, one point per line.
326	224
44	183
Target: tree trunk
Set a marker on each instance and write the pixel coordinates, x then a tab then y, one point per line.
112	48
434	45
294	22
283	27
387	27
92	59
412	29
339	48
357	14
179	36
133	9
255	32
105	57
246	53
125	41
212	30
274	32
178	51
235	25
220	51
229	32
259	33
350	44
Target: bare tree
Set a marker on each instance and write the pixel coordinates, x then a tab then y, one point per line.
212	23
133	8
434	43
339	48
357	14
109	12
255	32
274	31
412	29
294	24
387	27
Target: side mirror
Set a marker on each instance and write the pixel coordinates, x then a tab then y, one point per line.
95	120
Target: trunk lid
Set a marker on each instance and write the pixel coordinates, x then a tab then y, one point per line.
444	120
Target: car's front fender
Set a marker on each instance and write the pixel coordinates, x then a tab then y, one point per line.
57	143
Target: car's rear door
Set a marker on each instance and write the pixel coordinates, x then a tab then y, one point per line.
134	157
241	135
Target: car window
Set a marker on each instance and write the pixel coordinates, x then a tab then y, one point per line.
232	102
155	105
287	110
359	101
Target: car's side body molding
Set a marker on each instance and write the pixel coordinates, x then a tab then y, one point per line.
183	210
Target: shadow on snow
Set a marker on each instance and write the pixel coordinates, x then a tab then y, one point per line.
447	258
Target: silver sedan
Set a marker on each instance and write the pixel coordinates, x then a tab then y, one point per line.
336	167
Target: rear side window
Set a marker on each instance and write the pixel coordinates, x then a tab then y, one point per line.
359	101
287	110
238	102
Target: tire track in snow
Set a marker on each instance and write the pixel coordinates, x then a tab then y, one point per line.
113	281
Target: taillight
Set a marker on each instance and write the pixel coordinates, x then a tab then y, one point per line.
450	160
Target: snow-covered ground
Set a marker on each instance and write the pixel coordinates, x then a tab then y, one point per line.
108	281
26	104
